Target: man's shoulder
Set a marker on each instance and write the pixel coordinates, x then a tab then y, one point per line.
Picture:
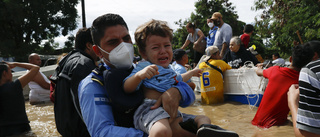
245	35
227	25
91	82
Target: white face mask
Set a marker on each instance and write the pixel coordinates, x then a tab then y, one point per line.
210	24
121	56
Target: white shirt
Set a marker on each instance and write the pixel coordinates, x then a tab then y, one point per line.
279	61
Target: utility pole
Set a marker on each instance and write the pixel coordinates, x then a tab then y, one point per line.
83	14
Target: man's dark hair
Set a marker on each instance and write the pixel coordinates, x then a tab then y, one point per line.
315	45
301	55
3	67
101	23
248	28
276	54
83	36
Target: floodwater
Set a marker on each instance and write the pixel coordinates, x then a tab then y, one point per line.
229	115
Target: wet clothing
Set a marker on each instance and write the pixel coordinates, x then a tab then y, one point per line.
211	36
98	113
167	78
13	116
70	71
37	93
308	117
237	59
144	118
212	81
180	70
273	109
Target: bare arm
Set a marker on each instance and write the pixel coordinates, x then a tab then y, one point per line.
186	43
26	78
131	83
170	102
223	49
259	70
293	101
195	72
41	81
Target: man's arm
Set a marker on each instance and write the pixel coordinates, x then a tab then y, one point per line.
26	78
41	81
293	100
173	97
97	112
223	49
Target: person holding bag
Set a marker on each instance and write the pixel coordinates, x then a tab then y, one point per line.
196	37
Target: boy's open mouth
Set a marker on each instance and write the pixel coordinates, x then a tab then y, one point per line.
163	59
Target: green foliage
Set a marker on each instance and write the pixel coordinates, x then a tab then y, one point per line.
68	45
282	20
25	23
204	10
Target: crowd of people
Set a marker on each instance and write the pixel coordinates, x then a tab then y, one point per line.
118	97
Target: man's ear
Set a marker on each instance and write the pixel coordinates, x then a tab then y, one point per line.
88	45
96	50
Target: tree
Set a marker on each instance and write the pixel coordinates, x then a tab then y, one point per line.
68	45
25	23
282	19
204	10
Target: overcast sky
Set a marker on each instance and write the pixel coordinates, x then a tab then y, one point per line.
137	12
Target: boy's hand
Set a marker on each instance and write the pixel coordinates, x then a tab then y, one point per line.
196	72
148	72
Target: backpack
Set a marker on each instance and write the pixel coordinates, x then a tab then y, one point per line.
66	100
123	104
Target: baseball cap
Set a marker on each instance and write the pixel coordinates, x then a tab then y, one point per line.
178	53
209	51
216	15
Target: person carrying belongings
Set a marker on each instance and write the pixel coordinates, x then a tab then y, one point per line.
212	76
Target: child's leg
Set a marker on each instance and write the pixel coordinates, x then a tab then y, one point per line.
201	119
161	128
206	129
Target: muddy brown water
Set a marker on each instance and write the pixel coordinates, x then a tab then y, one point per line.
229	115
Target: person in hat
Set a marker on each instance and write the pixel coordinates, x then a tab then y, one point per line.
223	34
181	58
212	77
